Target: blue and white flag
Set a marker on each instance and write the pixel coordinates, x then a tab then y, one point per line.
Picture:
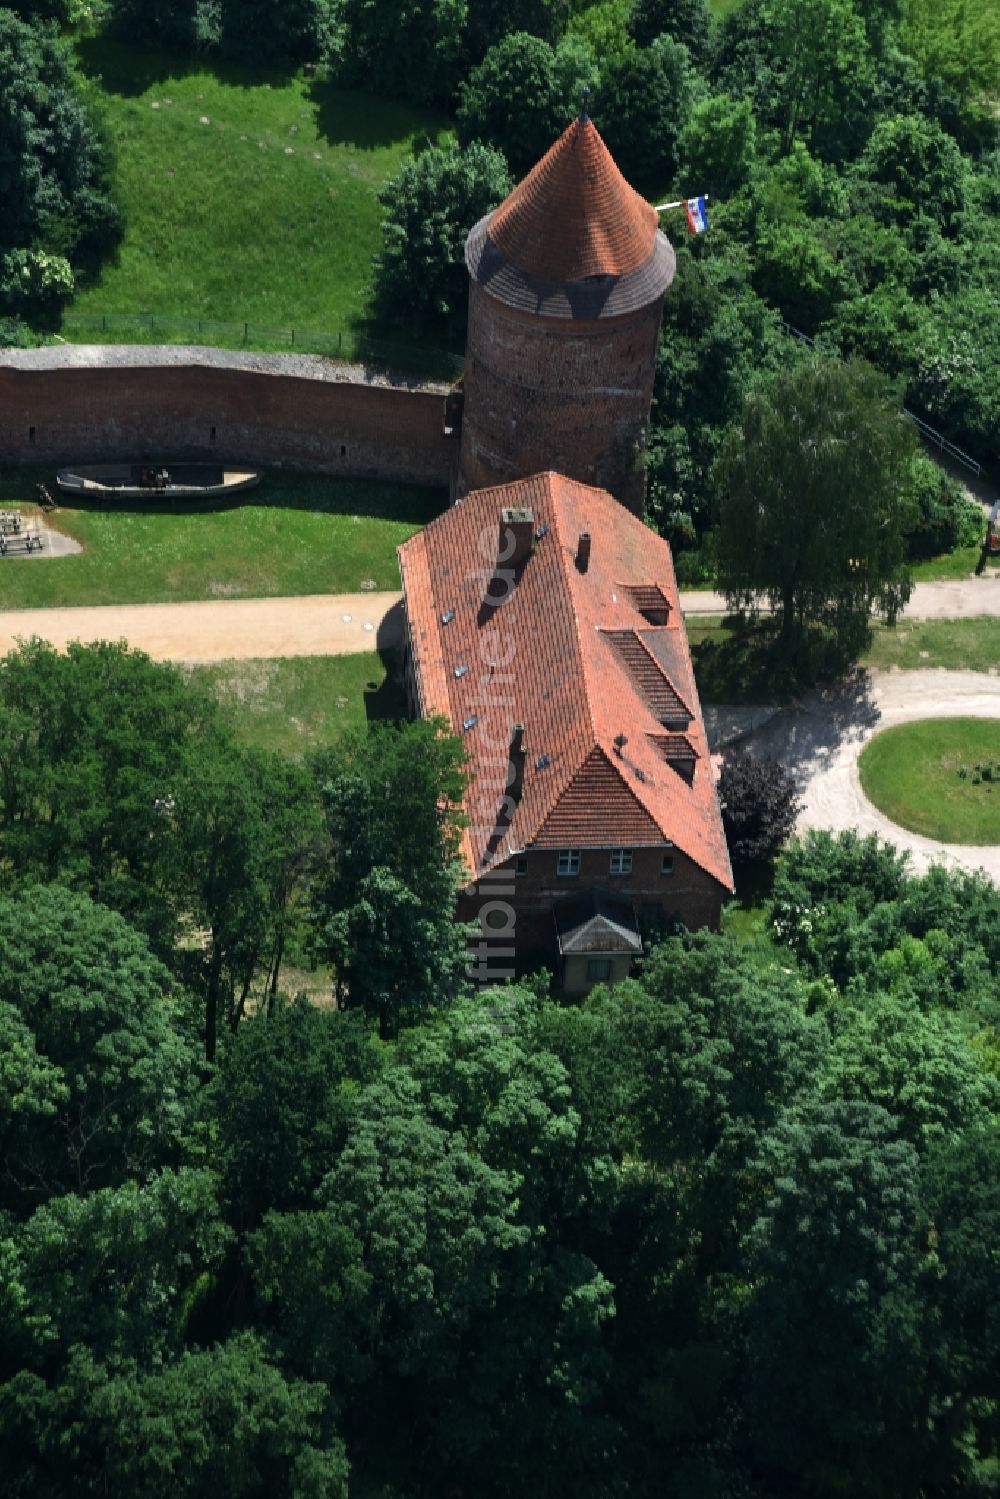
697	215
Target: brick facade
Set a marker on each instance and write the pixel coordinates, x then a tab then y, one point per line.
188	409
687	893
541	393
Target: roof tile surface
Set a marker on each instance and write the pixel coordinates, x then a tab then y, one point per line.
538	647
574	215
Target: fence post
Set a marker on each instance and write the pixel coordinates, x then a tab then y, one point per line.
293	338
246	332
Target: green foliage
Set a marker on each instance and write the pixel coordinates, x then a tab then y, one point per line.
96	1076
162	815
58	212
641	107
603	30
181	25
815	506
419	274
687	21
223	1422
523	95
919	169
956	42
718	145
838	1261
290	31
492	20
107	1270
385	911
284	1095
947	518
408	49
718	337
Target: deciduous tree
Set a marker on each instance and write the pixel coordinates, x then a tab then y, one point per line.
816	503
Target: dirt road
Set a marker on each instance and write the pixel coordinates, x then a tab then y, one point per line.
223	629
339	624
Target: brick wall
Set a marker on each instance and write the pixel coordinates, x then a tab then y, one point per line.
688	893
177	410
541	393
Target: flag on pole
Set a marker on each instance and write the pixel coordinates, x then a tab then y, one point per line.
697	215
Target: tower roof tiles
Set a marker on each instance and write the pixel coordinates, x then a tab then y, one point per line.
573	239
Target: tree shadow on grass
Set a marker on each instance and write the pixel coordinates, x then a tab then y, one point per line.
323	494
350	117
744	662
130	71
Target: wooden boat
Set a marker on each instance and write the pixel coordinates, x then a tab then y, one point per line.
156	481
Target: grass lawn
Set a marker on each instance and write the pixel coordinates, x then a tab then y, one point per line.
958	564
245	194
296	534
733	668
301	703
956	644
912	774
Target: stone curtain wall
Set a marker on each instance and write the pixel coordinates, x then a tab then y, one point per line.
78	403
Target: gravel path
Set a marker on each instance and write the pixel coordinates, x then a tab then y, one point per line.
223	629
820	737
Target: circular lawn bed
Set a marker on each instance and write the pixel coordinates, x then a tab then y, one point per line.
937	776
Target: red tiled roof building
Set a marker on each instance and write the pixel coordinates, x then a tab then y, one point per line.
543	623
566	286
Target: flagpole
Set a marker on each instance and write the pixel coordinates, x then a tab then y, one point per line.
681	203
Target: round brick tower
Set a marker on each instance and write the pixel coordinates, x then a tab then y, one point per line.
566	289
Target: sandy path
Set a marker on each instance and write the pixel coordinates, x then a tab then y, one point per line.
223	629
335	624
963	598
820	737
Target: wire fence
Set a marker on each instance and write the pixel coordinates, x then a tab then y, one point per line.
345	344
929	433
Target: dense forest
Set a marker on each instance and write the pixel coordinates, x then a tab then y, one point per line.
728	1228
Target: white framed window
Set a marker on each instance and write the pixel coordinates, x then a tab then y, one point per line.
598	969
568	861
621	861
521	867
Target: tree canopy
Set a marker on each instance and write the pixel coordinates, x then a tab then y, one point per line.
815	502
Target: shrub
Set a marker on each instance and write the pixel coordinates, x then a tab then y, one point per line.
419	274
947	519
759	807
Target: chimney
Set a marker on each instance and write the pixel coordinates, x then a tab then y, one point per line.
583	551
517	534
515	766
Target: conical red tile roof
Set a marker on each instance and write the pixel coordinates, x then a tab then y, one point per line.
574	215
